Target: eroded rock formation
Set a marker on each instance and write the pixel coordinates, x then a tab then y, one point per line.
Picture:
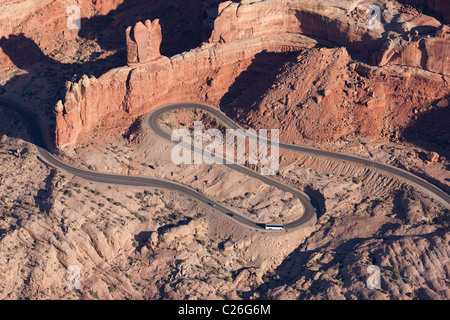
241	31
238	21
202	75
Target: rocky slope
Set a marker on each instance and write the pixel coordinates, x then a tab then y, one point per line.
203	74
129	243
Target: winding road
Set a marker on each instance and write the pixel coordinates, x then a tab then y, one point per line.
398	173
309	214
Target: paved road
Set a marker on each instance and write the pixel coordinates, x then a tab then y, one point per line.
126	180
407	177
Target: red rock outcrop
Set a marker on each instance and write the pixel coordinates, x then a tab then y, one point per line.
427	53
237	21
326	20
443	32
87	102
202	75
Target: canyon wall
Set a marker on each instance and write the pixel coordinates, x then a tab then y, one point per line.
13	13
202	75
143	42
325	19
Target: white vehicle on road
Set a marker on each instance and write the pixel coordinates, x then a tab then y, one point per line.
269	226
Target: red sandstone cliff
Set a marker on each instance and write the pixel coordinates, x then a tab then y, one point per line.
427	53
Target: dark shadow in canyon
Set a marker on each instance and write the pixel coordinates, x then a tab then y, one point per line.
142	239
431	8
16	127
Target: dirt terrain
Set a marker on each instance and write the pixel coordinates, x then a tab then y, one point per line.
307	70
